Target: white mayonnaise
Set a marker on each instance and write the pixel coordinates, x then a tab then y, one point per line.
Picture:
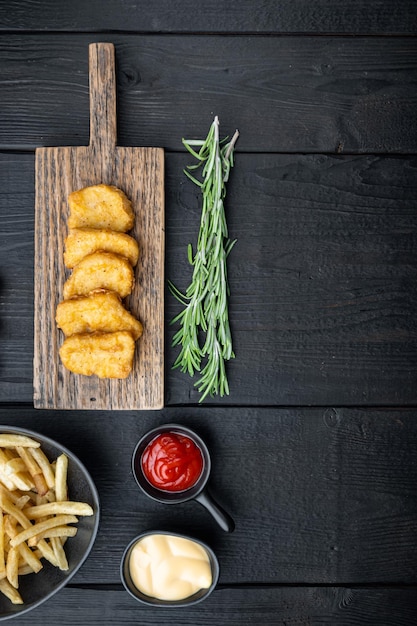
169	567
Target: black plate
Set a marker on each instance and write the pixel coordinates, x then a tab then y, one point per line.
37	588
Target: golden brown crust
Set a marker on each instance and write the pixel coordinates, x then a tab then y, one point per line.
100	332
100	206
84	241
100	270
106	355
101	310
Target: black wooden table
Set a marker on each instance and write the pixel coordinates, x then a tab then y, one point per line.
314	450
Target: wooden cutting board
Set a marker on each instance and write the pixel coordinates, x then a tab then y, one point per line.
139	172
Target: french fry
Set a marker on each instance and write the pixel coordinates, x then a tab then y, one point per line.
22	481
33	469
10	508
2	558
9	454
4	478
59	553
10	592
14	466
12	564
61	470
58	531
36	514
10	524
30	464
44	464
24	570
13	441
20	502
14	495
14	469
39	527
41	499
47	552
56	508
4	481
30	558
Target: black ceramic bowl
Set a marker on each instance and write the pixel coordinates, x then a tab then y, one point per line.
200	595
37	588
198	491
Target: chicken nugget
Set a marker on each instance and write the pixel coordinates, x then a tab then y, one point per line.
100	270
100	206
101	311
106	355
83	241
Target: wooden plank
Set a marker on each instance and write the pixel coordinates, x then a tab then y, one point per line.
314	606
287	16
319	496
16	276
139	172
285	94
323	278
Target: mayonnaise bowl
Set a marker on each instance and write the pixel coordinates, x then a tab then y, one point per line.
166	569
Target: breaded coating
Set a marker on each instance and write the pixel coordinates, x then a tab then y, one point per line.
84	241
100	206
99	311
100	270
106	355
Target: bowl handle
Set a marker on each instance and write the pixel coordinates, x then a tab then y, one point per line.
223	519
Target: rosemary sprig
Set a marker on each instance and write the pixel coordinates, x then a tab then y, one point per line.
204	334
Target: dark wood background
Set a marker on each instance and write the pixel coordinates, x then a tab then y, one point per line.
315	450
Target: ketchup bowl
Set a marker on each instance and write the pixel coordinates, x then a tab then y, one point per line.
171	464
165	576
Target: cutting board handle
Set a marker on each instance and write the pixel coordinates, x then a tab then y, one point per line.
102	78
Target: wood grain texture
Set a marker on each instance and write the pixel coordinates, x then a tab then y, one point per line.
186	16
312	606
323	292
318	496
323	282
285	94
139	172
323	278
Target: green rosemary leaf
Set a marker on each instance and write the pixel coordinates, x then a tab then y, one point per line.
193	142
178	295
204	335
193	152
195	181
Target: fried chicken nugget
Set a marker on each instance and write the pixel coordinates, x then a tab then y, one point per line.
100	206
106	355
99	311
84	241
100	270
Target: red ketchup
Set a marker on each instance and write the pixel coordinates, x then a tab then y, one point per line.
172	462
